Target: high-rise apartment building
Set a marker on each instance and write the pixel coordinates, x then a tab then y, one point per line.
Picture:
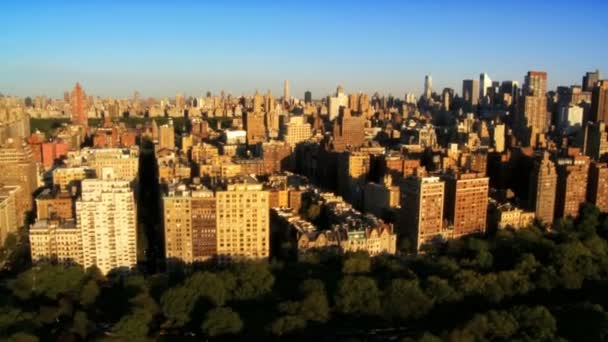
599	102
597	188
243	228
106	216
543	187
470	92
190	224
572	175
422	201
79	106
466	202
166	136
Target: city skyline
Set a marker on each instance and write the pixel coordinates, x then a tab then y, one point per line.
388	47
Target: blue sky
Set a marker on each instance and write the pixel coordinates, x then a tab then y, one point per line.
163	47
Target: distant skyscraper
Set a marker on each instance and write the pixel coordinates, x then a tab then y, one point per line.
285	91
590	79
78	102
533	115
336	102
599	102
446	97
543	186
258	101
470	92
307	97
428	86
485	82
180	101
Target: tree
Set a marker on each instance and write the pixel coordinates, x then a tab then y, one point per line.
358	295
221	321
81	325
440	291
403	299
253	280
132	327
89	293
22	337
359	262
287	324
208	286
177	304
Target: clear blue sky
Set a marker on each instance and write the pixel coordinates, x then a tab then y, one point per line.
163	47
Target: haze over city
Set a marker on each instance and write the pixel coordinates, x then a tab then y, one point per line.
191	47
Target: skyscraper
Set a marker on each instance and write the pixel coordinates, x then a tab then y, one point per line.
543	186
107	219
590	79
470	92
78	103
422	200
485	82
428	87
599	102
